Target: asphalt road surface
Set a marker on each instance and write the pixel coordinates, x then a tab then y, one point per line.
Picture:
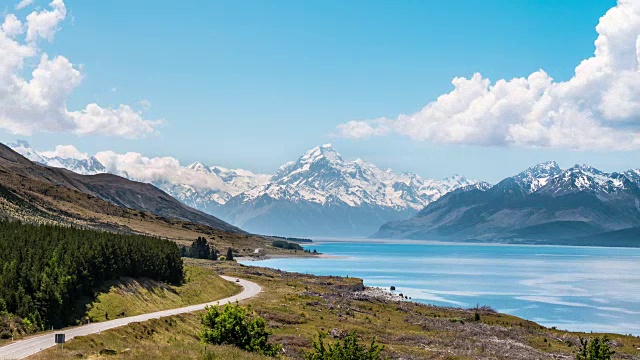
27	347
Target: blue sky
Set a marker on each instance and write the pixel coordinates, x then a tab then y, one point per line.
254	84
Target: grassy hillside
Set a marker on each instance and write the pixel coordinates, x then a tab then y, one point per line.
297	306
130	297
169	338
34	201
38	194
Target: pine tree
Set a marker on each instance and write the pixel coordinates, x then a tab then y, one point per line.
213	254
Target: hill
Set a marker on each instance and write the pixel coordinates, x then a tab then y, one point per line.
543	204
35	193
319	194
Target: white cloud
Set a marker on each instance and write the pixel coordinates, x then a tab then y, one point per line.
45	23
12	26
65	152
598	108
157	170
39	102
23	4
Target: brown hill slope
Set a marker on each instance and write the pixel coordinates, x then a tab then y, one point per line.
39	194
17	171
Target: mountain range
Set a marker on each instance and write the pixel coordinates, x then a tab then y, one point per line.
543	204
319	194
31	190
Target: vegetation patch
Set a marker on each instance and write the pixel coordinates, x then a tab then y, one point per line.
281	244
296	307
347	348
130	297
46	268
233	325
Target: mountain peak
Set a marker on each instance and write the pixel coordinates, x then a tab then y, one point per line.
546	167
537	176
198	166
20	143
585	169
325	151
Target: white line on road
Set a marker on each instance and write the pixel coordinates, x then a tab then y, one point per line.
27	347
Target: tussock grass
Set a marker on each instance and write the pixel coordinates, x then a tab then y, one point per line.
170	338
129	297
297	306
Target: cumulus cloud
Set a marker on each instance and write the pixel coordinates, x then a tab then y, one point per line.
39	102
45	23
65	152
598	108
157	170
12	26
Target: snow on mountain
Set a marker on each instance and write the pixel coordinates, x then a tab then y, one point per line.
85	165
633	175
229	183
322	174
322	194
537	176
24	148
318	194
542	203
584	178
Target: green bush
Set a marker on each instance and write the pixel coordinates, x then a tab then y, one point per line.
286	245
233	326
596	349
347	349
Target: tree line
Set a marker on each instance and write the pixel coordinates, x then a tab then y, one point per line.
44	269
200	249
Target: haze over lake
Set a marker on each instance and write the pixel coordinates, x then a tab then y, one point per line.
574	288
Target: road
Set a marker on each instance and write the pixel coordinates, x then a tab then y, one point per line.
23	348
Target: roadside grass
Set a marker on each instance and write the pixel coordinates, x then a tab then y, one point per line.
296	307
130	297
170	338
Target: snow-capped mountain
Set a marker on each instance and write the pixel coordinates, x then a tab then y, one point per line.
228	183
322	174
319	194
537	176
542	204
584	178
88	165
323	194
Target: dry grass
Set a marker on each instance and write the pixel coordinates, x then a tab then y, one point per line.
130	297
35	201
297	306
170	338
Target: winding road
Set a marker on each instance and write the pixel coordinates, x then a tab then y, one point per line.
23	348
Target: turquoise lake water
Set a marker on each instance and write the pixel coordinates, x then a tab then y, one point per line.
574	288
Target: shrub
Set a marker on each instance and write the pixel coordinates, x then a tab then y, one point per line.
286	245
348	348
233	326
596	349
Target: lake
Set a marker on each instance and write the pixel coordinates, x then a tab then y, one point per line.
574	288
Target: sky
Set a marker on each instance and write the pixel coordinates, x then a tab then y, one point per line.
255	84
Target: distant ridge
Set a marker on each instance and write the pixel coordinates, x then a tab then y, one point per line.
27	191
319	194
543	204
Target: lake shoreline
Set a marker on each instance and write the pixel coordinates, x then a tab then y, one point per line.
576	288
